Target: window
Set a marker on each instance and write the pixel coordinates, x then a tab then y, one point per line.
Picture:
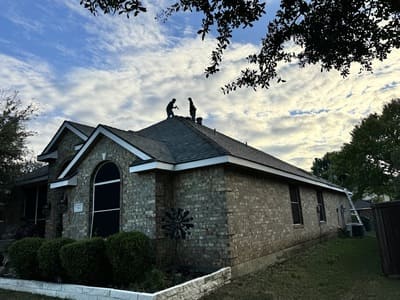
321	207
106	201
296	204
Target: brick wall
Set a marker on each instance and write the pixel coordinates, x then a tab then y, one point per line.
260	218
137	192
65	151
202	192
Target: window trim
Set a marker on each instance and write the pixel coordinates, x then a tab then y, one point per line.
294	194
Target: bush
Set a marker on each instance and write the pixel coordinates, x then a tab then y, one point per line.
153	281
85	261
130	255
49	258
23	257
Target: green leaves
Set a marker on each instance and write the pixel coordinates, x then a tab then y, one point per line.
332	33
114	6
13	136
370	163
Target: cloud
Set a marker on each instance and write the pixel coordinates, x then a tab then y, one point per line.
139	65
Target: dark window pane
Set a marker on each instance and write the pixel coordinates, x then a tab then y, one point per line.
107	172
321	205
295	213
42	199
106	196
105	223
30	203
296	204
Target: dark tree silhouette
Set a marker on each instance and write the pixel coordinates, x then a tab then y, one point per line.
331	33
370	163
13	135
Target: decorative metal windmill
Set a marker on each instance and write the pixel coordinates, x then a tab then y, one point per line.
177	223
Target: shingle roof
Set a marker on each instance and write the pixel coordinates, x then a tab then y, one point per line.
37	175
85	129
362	204
184	142
189	141
156	149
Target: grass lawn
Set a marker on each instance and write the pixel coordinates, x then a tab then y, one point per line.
343	268
10	295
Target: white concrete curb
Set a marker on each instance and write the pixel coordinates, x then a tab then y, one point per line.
190	290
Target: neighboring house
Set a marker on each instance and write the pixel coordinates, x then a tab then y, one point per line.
246	205
364	208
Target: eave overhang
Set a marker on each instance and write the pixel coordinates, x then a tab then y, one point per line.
48	157
64	183
228	159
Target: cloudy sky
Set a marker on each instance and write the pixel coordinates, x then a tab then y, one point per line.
123	72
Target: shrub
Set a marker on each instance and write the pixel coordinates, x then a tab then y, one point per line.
23	257
153	281
85	261
130	255
49	258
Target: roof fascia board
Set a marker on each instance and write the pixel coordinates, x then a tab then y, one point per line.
51	155
228	159
151	166
92	138
253	165
60	131
33	180
68	182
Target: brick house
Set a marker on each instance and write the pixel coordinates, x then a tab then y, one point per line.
247	206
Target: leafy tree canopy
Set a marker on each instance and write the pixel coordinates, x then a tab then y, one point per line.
13	134
331	33
370	163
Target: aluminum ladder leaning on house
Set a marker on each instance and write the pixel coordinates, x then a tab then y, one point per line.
353	211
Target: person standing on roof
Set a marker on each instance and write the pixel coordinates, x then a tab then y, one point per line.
170	108
192	109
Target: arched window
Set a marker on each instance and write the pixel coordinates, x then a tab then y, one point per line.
106	201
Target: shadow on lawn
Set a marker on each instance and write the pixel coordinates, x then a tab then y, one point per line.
342	268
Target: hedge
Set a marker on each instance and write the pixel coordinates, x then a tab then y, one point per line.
130	255
49	258
85	261
23	257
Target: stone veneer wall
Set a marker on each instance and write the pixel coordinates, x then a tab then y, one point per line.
260	218
202	193
65	150
137	192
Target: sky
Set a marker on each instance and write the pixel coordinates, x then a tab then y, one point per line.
123	72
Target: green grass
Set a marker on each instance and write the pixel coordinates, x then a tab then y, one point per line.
337	269
11	295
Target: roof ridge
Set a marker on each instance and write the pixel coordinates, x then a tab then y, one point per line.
77	123
192	126
129	131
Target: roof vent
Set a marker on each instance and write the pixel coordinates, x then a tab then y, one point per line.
199	121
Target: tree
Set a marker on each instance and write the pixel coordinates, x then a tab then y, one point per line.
13	135
370	163
331	33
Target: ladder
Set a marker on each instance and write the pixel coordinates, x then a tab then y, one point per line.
352	208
